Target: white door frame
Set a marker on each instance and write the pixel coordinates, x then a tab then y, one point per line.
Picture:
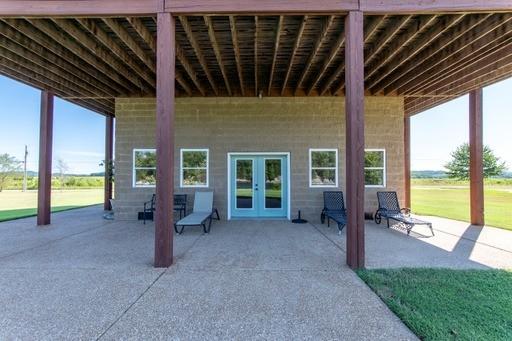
288	194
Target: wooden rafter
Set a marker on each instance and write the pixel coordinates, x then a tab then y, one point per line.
199	53
411	69
461	49
128	40
180	55
276	49
296	45
143	32
401	43
386	37
181	81
216	50
234	38
444	24
109	44
369	31
318	43
332	54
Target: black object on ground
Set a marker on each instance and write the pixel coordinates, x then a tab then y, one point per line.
299	220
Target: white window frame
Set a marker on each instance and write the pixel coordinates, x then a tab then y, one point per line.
182	150
384	168
311	151
134	169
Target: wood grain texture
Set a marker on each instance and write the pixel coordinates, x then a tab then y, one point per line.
44	190
354	107
109	152
476	165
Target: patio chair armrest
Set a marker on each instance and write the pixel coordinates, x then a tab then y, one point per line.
406	211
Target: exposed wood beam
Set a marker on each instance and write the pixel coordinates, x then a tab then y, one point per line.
296	45
332	54
216	50
143	32
444	24
276	49
181	81
410	70
438	6
256	30
73	8
386	37
109	44
92	53
128	40
44	191
318	43
11	51
400	44
180	55
369	31
15	61
199	53
165	114
52	54
467	47
234	38
252	7
476	159
109	151
407	161
354	107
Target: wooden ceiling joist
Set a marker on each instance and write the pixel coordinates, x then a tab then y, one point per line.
198	51
296	45
386	37
218	55
143	32
180	55
234	37
276	49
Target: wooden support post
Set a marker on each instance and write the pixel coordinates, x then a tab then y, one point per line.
476	168
44	191
165	93
354	104
109	149
407	161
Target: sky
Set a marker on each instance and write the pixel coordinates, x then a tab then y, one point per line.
79	133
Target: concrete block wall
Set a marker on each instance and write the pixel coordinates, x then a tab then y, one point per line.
257	125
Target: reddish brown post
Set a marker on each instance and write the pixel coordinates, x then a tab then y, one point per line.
407	161
354	104
165	140
109	150
45	159
476	168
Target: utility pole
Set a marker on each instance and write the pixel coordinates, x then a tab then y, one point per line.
25	170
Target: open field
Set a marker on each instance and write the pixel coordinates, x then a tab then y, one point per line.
442	304
452	201
16	204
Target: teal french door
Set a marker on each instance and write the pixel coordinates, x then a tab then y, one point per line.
258	186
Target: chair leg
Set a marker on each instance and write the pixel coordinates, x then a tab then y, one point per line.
217	213
387	219
328	222
431	229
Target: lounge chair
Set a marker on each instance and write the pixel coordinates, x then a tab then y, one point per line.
334	208
180	205
389	208
202	213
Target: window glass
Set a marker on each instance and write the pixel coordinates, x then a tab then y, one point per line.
194	168
374	168
323	168
144	168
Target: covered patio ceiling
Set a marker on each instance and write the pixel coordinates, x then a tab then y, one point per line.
428	58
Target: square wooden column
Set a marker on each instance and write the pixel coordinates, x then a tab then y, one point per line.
44	190
354	106
109	150
407	161
476	165
165	93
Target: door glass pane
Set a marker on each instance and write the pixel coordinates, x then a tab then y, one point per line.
273	184
244	185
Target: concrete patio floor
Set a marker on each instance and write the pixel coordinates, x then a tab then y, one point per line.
87	278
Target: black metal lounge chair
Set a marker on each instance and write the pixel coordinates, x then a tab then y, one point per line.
201	215
389	208
180	205
334	208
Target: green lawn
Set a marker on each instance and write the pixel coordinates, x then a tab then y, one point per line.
442	304
453	202
17	204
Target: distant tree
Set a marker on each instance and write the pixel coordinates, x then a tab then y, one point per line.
8	167
62	168
458	167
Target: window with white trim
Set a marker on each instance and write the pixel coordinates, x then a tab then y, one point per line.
194	167
144	168
323	168
375	168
